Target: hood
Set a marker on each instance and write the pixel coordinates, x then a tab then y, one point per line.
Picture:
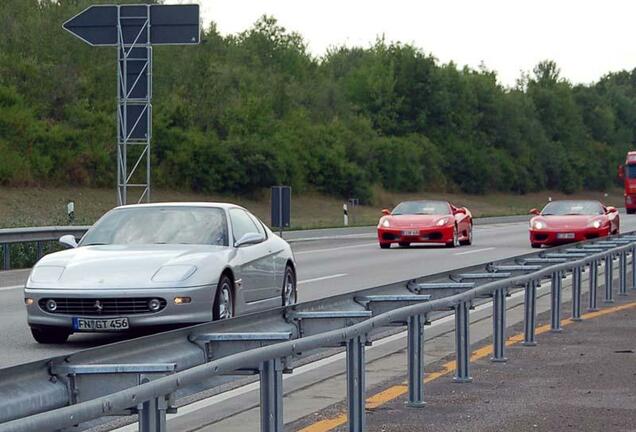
414	221
129	266
569	221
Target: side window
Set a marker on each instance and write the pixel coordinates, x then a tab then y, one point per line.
258	223
242	224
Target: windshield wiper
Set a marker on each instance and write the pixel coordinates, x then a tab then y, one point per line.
95	244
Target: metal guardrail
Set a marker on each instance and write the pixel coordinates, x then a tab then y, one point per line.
276	338
37	235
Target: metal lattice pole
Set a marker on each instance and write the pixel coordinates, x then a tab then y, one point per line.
271	377
593	286
555	302
416	361
499	326
355	384
576	294
622	274
462	343
530	314
609	278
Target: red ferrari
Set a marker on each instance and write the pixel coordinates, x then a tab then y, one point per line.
572	221
425	222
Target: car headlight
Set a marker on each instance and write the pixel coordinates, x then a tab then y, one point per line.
538	225
46	273
442	222
386	223
174	273
596	224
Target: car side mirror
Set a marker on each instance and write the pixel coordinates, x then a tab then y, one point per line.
68	241
611	209
460	210
249	238
386	212
534	211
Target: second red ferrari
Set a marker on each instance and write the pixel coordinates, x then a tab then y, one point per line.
425	222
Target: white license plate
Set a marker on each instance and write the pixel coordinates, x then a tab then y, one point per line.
410	232
565	235
100	325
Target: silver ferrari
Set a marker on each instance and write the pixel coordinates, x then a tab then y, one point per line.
160	264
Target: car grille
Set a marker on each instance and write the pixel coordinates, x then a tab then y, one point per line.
101	306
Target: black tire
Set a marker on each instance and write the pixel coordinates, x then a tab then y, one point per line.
224	299
455	242
535	245
290	275
469	240
385	245
630	211
405	244
50	335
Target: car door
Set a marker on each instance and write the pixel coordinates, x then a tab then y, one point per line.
256	261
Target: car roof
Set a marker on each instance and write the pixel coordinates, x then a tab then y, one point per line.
183	204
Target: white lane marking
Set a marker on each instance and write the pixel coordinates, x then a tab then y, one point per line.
12	287
474	251
321	278
334	249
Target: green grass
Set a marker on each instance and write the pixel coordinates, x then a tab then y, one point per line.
47	206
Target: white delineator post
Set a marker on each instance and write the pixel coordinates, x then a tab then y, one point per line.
345	212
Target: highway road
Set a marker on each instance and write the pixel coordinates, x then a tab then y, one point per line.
325	268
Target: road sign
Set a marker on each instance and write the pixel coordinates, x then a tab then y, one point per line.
134	30
281	207
169	25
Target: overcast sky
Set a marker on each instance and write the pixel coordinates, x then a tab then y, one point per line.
587	38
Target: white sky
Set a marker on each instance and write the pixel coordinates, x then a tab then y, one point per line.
587	38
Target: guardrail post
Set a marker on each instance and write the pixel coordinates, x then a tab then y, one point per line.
355	384
593	286
576	294
609	278
555	302
462	343
6	255
152	413
271	377
622	274
530	313
499	326
416	361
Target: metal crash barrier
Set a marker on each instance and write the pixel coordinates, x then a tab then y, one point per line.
350	320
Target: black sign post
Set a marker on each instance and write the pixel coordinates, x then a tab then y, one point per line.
281	207
134	30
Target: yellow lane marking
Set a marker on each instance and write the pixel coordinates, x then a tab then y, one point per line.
398	390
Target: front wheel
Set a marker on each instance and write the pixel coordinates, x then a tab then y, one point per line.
224	301
455	241
385	245
535	245
290	294
50	335
469	236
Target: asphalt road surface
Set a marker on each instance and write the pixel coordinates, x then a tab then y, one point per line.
325	268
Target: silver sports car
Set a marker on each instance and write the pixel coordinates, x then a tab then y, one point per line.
160	264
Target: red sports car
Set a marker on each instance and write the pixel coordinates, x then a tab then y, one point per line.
572	221
425	222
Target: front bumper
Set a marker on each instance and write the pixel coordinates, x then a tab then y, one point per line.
441	234
197	311
553	237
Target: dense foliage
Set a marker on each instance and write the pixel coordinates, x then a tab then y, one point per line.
246	111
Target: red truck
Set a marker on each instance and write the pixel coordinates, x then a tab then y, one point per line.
627	173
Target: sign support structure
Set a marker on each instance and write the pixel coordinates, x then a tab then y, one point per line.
134	29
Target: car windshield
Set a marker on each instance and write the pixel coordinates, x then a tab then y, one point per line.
630	171
160	225
422	208
573	208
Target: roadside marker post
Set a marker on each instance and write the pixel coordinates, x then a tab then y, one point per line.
345	211
281	207
134	30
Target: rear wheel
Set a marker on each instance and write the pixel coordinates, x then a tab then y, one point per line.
290	295
224	302
385	245
455	241
469	236
405	244
50	335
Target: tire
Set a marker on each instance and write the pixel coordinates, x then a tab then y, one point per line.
385	245
535	245
469	240
405	244
50	335
630	211
289	293
455	242
224	299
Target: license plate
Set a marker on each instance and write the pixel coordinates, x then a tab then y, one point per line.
411	233
100	325
565	235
